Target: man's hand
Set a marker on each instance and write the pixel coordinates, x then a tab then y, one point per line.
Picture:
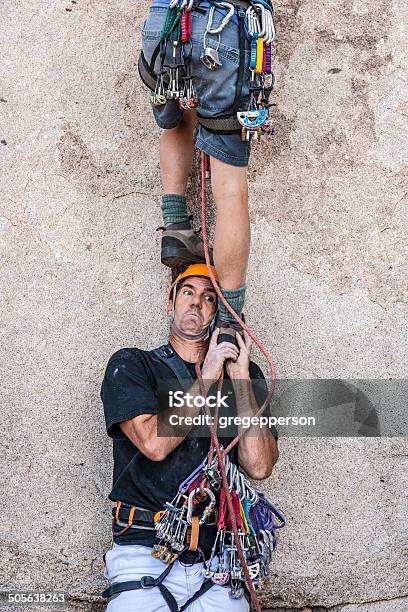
216	356
239	369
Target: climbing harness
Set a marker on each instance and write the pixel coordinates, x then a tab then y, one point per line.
175	81
177	530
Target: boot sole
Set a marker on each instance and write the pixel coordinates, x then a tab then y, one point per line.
227	338
175	255
176	258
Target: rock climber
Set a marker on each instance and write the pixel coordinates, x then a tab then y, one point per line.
148	468
205	118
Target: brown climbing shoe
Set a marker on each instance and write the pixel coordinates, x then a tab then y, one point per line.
181	247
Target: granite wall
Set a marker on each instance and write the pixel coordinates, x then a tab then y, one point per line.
79	264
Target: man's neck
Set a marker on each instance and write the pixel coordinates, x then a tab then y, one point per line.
189	350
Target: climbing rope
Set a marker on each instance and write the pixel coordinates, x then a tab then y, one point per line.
214	439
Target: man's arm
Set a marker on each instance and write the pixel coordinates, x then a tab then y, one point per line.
142	430
257	449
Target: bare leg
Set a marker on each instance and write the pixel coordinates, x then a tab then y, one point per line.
232	230
176	154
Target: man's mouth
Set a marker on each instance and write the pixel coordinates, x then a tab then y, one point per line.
194	315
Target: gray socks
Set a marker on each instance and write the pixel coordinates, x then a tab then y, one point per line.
174	208
236	299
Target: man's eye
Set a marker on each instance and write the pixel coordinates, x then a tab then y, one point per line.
186	291
210	298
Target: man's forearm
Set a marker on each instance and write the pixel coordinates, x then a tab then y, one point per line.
257	449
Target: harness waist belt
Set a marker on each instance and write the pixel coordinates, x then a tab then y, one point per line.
140	517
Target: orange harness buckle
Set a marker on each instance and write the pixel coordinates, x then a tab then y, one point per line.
130	519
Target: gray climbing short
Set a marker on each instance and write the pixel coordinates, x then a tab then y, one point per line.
132	561
215	88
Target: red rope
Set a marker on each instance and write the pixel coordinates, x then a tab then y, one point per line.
262	348
214	440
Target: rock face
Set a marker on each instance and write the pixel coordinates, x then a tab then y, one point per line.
81	278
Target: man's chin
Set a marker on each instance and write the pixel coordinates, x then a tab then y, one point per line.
191	330
192	322
191	327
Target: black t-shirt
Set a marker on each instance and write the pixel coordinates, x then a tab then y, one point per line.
131	388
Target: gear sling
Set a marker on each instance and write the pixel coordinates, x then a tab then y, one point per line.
167	355
228	122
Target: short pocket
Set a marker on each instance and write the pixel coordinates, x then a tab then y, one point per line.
217	88
154	22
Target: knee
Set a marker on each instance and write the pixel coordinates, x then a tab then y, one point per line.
229	181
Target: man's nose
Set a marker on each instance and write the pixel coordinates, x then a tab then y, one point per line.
196	301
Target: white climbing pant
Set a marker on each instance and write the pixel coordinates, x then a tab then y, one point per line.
132	561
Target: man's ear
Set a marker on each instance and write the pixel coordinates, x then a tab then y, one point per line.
170	307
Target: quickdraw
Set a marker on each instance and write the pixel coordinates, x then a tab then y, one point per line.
260	31
174	79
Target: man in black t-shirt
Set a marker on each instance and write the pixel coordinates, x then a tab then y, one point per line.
149	468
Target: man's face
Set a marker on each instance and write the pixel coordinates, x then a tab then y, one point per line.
196	305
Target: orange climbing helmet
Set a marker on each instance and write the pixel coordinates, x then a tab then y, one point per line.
199	269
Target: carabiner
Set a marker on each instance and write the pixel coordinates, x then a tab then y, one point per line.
253	26
261	10
270	28
225	20
207	510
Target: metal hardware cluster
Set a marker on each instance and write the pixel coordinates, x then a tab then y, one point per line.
260	30
256	517
174	80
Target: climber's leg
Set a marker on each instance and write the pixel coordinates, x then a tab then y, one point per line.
180	244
